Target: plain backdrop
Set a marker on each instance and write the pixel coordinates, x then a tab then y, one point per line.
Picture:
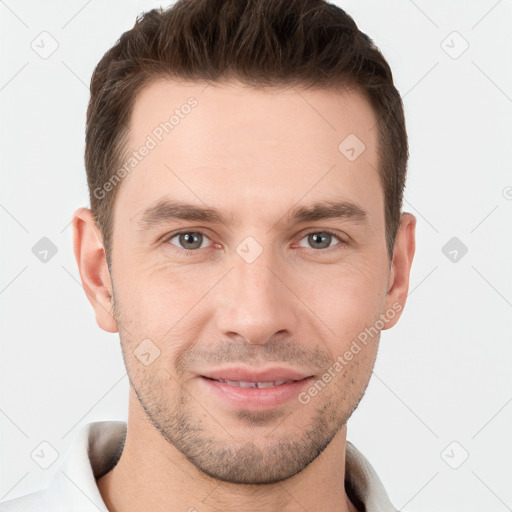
436	419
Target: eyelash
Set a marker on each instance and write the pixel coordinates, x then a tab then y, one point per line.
191	252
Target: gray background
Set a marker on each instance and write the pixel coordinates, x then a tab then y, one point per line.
442	386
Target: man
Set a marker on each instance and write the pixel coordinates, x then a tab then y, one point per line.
246	164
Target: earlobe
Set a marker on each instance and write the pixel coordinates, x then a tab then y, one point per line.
92	265
403	254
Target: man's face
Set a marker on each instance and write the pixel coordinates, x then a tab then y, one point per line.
260	296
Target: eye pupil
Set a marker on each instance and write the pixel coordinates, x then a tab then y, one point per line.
320	238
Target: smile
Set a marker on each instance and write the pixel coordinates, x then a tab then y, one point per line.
247	384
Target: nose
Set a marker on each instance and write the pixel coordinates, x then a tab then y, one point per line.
255	301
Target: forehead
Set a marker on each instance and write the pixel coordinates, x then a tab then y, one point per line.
249	115
234	144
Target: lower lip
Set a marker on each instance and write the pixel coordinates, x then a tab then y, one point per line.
256	399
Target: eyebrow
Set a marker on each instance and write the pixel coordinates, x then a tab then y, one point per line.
167	210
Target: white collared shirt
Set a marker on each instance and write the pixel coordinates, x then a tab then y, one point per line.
97	448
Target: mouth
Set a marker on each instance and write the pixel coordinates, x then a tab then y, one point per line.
245	388
251	384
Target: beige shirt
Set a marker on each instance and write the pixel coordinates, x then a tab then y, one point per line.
97	448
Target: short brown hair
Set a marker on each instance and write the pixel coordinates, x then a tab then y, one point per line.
261	43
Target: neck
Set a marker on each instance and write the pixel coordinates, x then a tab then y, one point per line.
153	475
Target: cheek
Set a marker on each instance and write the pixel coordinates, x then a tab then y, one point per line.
155	308
152	294
347	297
358	361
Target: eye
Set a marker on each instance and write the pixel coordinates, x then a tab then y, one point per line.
189	240
320	240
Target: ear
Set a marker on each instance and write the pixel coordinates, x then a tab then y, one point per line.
92	265
403	253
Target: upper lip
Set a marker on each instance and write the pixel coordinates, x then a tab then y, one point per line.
252	375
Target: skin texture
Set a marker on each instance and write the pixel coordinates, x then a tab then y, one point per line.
253	155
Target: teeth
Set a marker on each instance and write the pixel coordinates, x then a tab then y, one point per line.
259	385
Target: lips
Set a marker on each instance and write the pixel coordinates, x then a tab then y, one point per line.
254	390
